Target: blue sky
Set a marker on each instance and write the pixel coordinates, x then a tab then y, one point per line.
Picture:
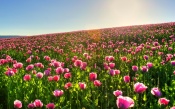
33	17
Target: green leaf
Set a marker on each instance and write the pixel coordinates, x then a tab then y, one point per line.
135	97
96	102
144	97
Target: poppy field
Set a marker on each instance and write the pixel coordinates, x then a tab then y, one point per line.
113	68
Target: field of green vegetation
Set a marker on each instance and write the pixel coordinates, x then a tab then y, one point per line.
113	68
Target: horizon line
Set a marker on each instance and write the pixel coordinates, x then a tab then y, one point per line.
89	29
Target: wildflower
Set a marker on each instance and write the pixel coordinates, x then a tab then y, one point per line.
58	93
117	93
50	106
97	83
92	76
82	85
59	70
30	106
163	101
17	104
139	87
124	102
27	77
56	78
126	79
134	68
156	92
67	85
37	103
39	75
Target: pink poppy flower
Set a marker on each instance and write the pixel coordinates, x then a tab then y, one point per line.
10	73
39	75
92	76
82	85
117	93
29	60
27	77
106	58
97	83
18	65
172	36
56	64
124	102
134	68
163	101
67	75
124	58
30	67
37	103
156	92
155	43
170	48
39	65
66	70
149	65
106	67
172	107
68	85
112	72
109	58
56	78
3	61
144	69
126	79
153	48
173	63
47	72
58	93
50	106
145	57
85	54
17	104
34	72
83	65
59	70
117	72
139	87
111	65
47	58
49	78
78	63
30	106
116	50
